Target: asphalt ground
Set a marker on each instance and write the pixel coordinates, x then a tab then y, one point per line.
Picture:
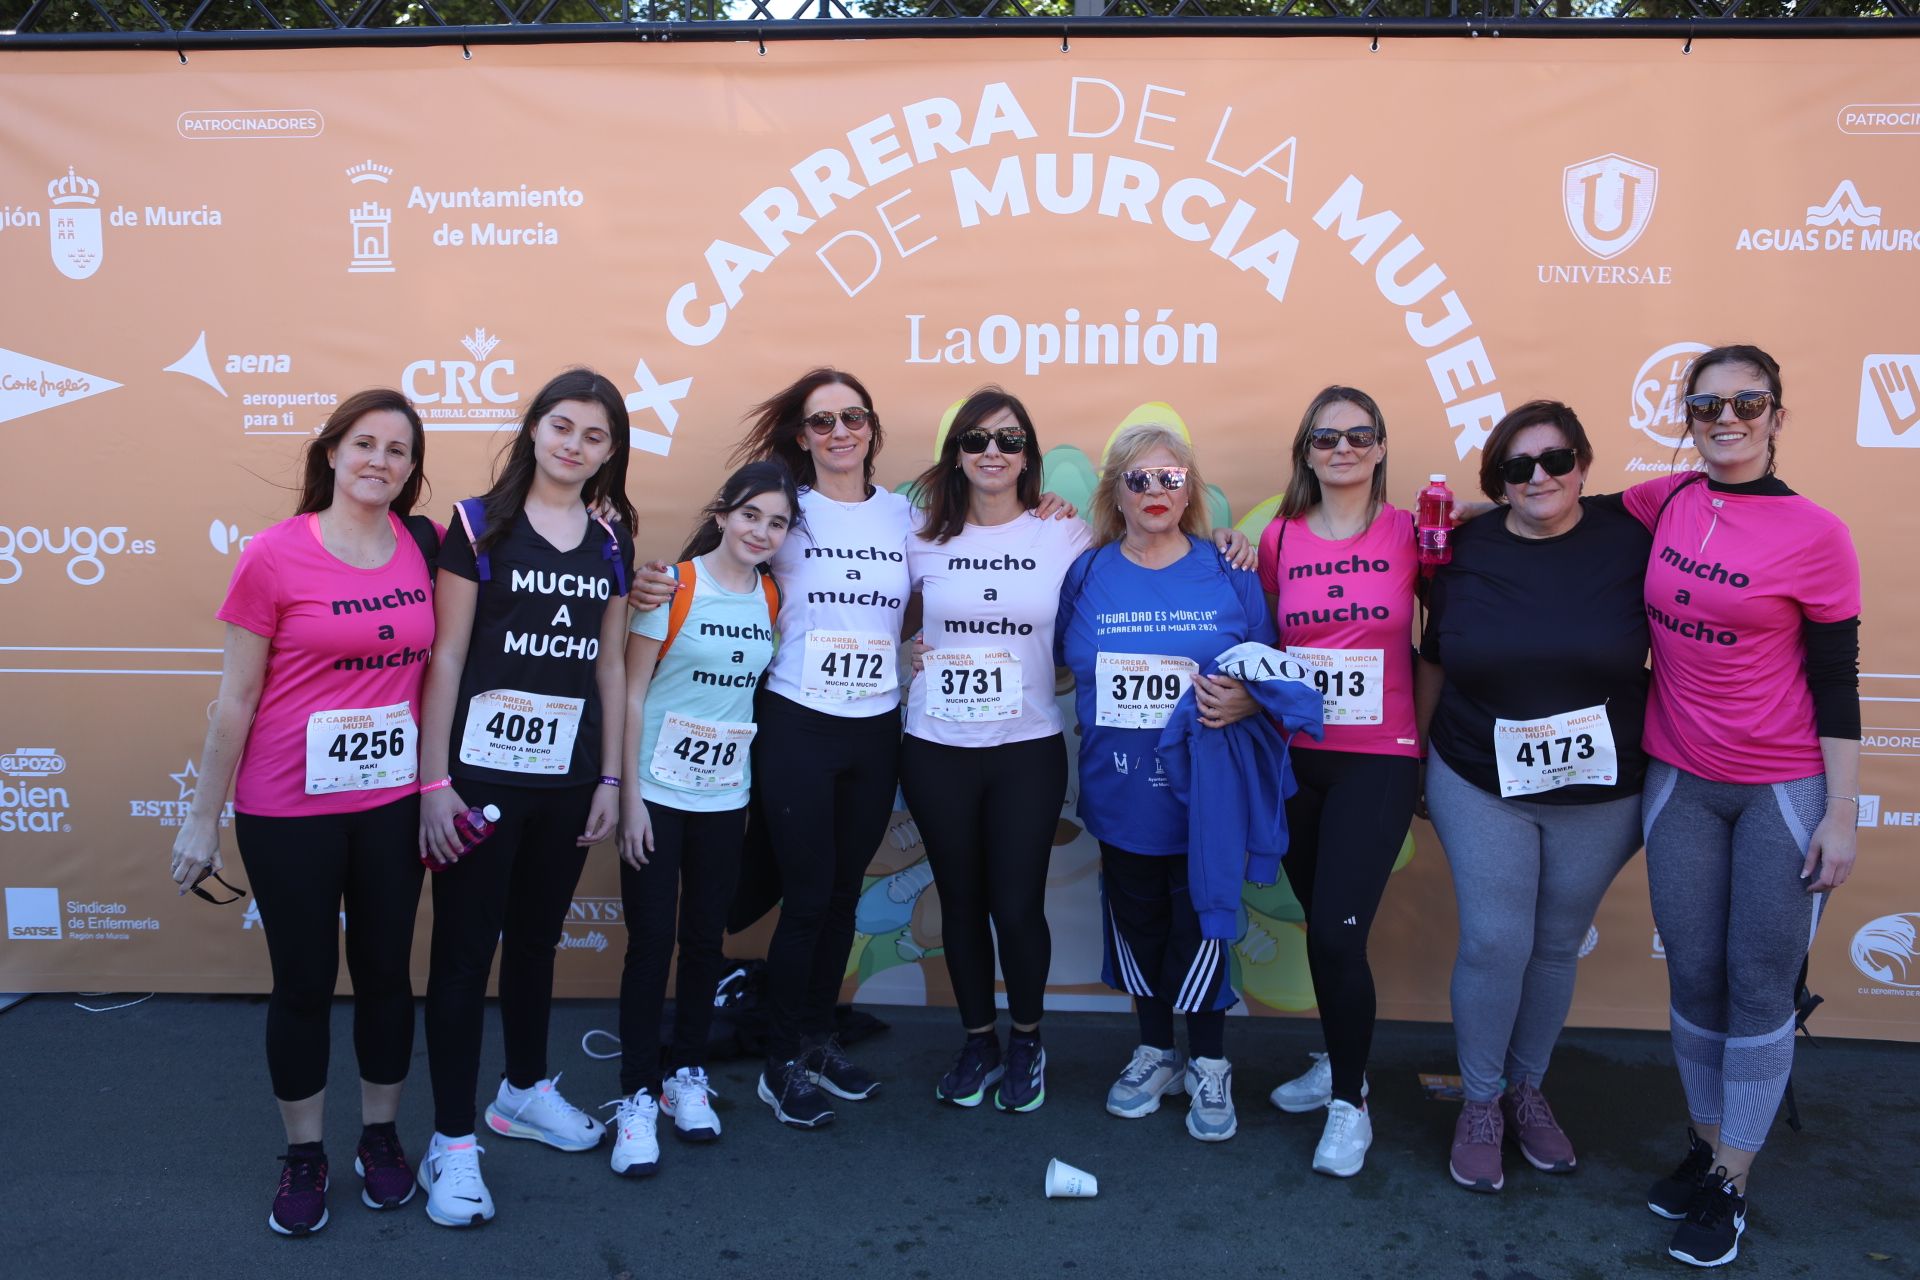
141	1142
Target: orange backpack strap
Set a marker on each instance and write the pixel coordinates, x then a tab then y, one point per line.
771	590
677	609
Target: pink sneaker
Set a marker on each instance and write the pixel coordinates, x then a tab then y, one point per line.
1530	1121
1475	1159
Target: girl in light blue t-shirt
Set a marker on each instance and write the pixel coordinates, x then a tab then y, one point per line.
692	669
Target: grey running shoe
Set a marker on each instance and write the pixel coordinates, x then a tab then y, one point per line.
1210	1115
1150	1073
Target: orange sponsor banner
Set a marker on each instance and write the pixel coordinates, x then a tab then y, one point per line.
202	259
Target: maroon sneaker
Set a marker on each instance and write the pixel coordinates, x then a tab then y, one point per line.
383	1168
1530	1121
300	1205
1475	1159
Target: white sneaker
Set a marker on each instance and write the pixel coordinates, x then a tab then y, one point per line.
1149	1074
1210	1115
687	1097
450	1175
1344	1142
636	1152
1311	1091
542	1114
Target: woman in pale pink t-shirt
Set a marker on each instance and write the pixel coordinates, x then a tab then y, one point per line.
329	626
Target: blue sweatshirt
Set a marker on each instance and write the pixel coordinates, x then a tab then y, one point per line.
1235	781
1191	609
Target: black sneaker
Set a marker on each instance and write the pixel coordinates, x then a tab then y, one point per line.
1672	1196
788	1088
1715	1219
975	1071
1024	1087
300	1204
827	1066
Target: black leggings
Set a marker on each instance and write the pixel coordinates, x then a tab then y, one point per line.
1155	952
1345	828
699	852
987	816
300	871
513	891
824	785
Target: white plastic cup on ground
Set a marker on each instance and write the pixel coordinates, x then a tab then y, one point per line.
1063	1180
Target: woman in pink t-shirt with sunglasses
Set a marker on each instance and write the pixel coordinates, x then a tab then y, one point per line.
329	624
1338	565
1752	792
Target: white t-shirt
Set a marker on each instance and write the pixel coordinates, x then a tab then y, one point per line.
843	591
994	591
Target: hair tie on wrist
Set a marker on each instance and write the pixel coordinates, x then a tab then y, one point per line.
435	786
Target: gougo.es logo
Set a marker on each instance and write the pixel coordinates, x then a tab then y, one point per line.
83	547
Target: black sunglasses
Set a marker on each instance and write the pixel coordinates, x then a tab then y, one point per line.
1011	440
1328	438
1555	462
1747	405
205	896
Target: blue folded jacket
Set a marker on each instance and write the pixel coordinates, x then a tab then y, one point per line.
1235	781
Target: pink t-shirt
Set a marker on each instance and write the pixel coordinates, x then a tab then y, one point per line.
343	639
1730	578
1346	611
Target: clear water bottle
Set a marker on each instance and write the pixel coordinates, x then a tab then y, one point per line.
473	826
1434	523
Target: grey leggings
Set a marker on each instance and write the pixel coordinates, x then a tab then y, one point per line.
1723	865
1528	878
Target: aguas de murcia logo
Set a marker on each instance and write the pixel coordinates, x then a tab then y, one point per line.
1843	223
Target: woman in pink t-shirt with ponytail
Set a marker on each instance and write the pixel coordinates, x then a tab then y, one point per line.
1338	565
329	624
1752	792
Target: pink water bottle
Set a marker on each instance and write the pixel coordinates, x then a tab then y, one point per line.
1434	523
473	826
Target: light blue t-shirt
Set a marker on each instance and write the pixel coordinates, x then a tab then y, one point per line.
707	678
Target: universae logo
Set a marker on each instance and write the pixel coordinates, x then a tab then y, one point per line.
1608	202
1887	951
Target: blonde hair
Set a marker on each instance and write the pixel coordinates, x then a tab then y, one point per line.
1103	512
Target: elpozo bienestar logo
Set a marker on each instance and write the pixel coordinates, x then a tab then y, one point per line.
1608	201
1887	951
27	805
1842	223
